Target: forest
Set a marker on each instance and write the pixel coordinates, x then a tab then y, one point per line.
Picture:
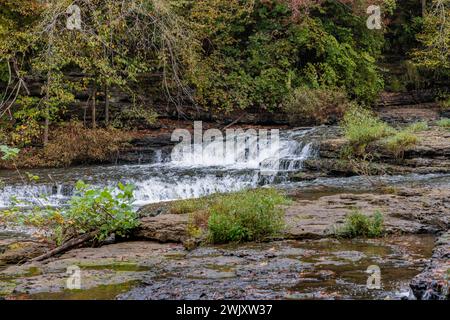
94	92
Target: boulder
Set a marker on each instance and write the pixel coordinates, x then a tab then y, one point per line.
433	283
163	228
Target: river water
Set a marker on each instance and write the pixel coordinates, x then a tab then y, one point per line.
165	178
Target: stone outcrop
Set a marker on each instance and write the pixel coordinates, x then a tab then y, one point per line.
407	211
430	155
19	252
269	270
434	282
163	228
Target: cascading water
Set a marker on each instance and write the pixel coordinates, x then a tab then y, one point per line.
190	175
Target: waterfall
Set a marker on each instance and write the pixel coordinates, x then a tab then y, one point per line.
181	177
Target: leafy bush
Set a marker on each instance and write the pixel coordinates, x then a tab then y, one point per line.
253	53
362	127
134	117
315	106
101	211
242	216
8	152
359	225
246	216
191	205
72	143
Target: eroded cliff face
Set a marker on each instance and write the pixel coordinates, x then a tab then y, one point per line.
430	155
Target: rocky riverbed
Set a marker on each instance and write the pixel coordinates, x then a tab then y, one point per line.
307	262
317	269
162	260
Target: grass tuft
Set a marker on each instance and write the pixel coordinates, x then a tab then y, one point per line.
249	215
359	225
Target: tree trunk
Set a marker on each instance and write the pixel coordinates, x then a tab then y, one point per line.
106	104
47	111
67	246
94	107
424	7
46	125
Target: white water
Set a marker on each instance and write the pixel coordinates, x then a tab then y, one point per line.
215	170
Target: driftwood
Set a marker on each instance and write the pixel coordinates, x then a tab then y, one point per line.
67	246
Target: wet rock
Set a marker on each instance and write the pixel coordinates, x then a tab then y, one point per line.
430	155
421	210
434	282
418	98
410	113
277	270
163	228
16	252
408	211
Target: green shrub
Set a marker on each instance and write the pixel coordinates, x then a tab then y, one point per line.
8	153
396	85
102	211
241	216
246	216
315	106
400	142
417	126
190	205
359	225
444	123
361	127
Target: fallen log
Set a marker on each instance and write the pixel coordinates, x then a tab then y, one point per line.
67	246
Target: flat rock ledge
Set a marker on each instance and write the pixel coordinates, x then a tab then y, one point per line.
434	282
408	211
163	228
430	155
13	251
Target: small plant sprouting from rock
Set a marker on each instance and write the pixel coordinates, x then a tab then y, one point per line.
367	135
358	224
400	142
444	123
417	126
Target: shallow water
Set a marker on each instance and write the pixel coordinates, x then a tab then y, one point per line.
313	269
320	269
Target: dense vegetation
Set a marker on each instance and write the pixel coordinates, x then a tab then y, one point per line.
307	58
